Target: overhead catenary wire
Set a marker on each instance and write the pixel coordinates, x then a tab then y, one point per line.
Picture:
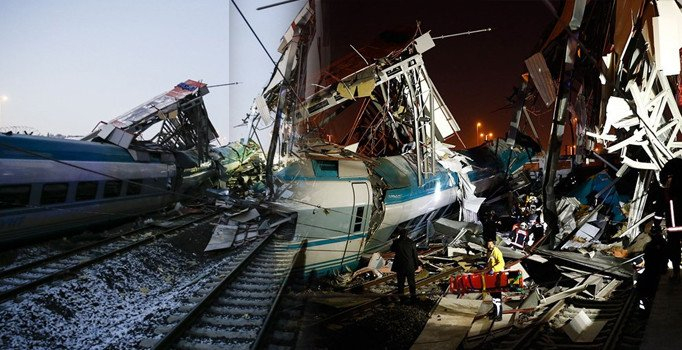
226	84
462	33
260	42
275	4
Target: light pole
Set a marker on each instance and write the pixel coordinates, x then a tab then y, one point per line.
488	135
478	125
481	135
3	98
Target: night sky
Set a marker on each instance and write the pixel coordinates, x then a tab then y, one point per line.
474	73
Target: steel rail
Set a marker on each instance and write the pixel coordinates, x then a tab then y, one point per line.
196	312
5	295
270	319
364	306
617	330
25	267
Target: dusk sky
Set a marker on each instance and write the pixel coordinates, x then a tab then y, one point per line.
67	65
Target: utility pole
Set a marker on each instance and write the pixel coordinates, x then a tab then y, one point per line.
518	107
558	124
284	88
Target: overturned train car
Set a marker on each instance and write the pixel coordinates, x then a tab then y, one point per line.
347	208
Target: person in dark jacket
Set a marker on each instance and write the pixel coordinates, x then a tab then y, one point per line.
489	221
655	264
405	263
537	230
670	207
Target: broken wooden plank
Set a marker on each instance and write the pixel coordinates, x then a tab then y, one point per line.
606	291
552	312
562	295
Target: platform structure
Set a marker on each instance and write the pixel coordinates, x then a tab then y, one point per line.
663	327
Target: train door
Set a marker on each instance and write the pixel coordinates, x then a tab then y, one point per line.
358	221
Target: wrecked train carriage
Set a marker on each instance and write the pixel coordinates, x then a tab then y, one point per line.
347	208
50	185
380	111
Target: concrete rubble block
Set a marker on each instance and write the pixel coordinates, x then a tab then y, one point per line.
594	284
376	261
532	300
519	267
453	251
582	329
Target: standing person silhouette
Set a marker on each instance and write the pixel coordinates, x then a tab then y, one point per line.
670	207
405	263
489	221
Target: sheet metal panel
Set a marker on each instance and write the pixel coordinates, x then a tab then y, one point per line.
542	77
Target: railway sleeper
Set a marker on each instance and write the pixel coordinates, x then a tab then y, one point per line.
254	287
244	302
233	321
219	333
262	273
248	294
246	277
251	312
196	345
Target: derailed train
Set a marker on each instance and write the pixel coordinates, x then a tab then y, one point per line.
50	185
347	209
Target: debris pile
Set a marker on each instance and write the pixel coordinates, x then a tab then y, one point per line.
241	168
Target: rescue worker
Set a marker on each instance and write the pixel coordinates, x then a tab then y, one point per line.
495	264
405	262
489	221
655	264
670	178
537	230
519	236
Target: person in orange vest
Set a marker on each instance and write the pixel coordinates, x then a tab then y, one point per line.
495	264
519	236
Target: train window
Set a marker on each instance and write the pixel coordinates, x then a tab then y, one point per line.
14	196
134	187
326	168
359	214
86	191
54	193
112	188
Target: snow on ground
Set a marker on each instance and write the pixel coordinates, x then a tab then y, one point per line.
112	305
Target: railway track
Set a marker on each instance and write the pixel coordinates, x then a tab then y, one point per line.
235	307
623	326
436	278
22	278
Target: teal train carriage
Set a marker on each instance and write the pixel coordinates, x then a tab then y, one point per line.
346	208
51	185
